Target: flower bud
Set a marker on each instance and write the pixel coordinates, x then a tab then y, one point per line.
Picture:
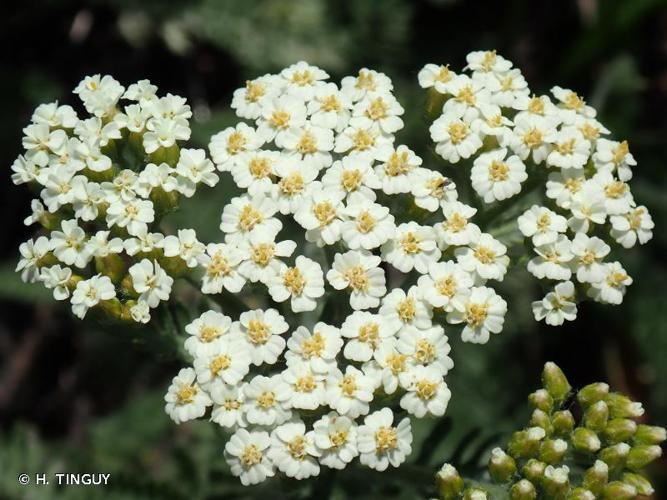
616	490
534	470
585	440
474	494
112	308
540	418
621	406
641	484
448	482
555	382
642	455
523	490
615	456
556	480
592	393
552	451
581	494
127	286
596	477
563	422
541	400
112	266
619	430
650	434
501	466
596	416
526	443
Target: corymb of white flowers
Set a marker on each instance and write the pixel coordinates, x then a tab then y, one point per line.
343	255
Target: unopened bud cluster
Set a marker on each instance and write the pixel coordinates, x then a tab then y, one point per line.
557	457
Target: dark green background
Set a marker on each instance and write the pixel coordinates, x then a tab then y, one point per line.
83	397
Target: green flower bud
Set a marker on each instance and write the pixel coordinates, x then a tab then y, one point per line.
581	494
541	400
112	266
474	494
596	477
592	393
585	440
127	287
642	455
616	490
526	443
112	308
540	418
650	434
434	102
621	406
556	481
563	422
619	430
533	470
168	155
555	382
641	484
501	466
523	490
552	451
448	482
596	416
615	456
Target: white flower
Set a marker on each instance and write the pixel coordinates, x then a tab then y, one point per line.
427	392
453	135
572	104
295	176
614	156
143	242
186	246
636	225
262	255
380	443
370	224
185	399
227	405
387	365
329	107
366	332
99	93
312	144
303	79
428	347
266	400
382	109
496	178
492	122
86	196
194	168
366	81
487	61
468	94
335	437
88	293
303	284
553	260
455	230
564	184
533	135
506	87
570	149
588	253
588	208
249	100
227	145
134	215
244	214
431	189
611	288
164	132
444	281
351	174
262	331
482	311
401	309
293	450
438	77
362	136
246	454
541	224
413	247
55	116
320	214
279	115
253	171
557	306
350	392
484	256
151	282
58	188
226	359
205	330
221	263
617	195
56	278
306	386
38	213
68	245
142	91
140	312
359	272
317	350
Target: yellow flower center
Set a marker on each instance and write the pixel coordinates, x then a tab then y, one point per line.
444	75
263	253
446	286
616	279
324	212
249	218
338	438
588	258
280	119
363	140
236	142
305	383
573	184
307	144
495	120
406	309
635	218
436	186
396	363
424	351
615	190
365	222
489	60
410	243
457	132
377	109
294	281
543	222
589	131
292	184
259	167
330	103
565	148
209	333
219	363
357	278
365	81
456	223
484	254
386	439
426	389
218	266
536	105
475	314
574	102
297	448
466	95
350	180
498	171
621	152
313	347
231	404
533	138
398	164
303	78
251	456
370	334
186	394
266	400
507	83
254	91
258	331
348	385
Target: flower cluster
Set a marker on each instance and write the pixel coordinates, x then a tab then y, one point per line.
102	183
601	456
514	141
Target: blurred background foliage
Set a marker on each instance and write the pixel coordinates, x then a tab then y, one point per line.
81	396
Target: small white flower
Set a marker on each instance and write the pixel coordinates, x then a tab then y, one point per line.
303	79
253	171
444	281
227	405
359	272
316	350
541	224
438	77
68	245
428	347
570	149
367	80
454	136
369	225
350	392
227	145
387	365
588	209
143	242
295	176
382	109
221	263
571	104
427	392
311	143
244	214
636	225
412	247
247	456
533	136
262	255
588	253
617	195
320	215
557	306
261	331
279	115
468	94
140	312
226	359
164	132
487	61
205	330
495	177
336	439
193	168
266	400
293	450
380	443
401	309
88	293
614	156
307	391
134	215
456	230
99	93
432	190
482	311
329	107
366	332
56	278
186	246
553	260
351	174
362	136
611	288
484	256
248	101
54	115
185	399
303	284
151	282
564	184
